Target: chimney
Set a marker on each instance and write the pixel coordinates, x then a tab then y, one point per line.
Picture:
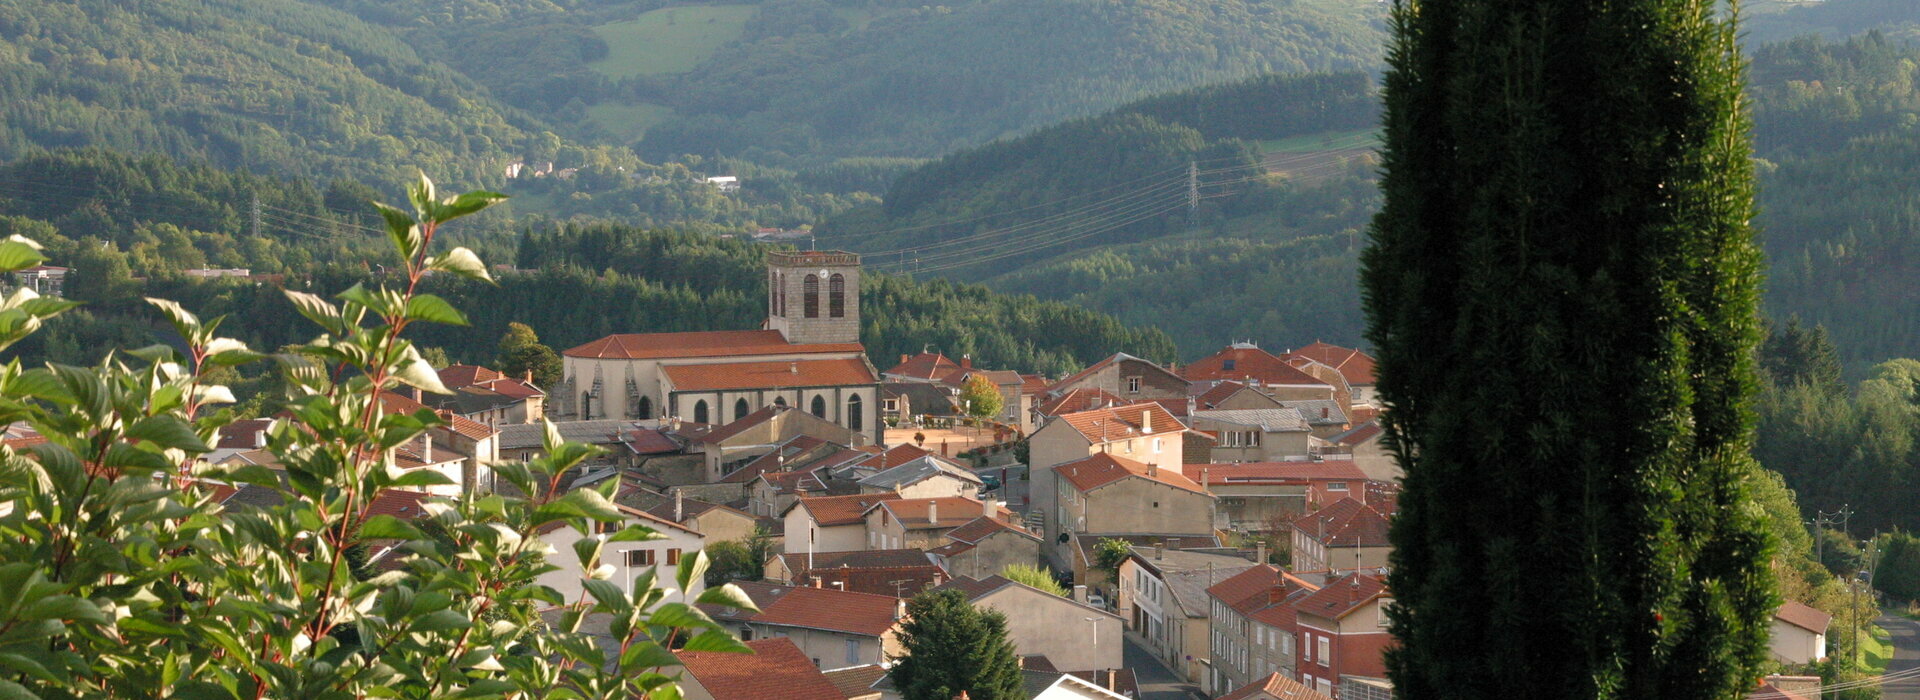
1190	408
793	367
680	507
1111	678
1354	590
966	361
527	376
904	358
260	438
416	393
816	581
986	508
1080	594
1277	594
426	447
933	511
1323	411
1153	470
1260	553
899	608
1160	550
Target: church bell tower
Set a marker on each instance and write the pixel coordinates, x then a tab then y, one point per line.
814	296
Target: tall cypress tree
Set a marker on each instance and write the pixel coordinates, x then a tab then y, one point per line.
1562	292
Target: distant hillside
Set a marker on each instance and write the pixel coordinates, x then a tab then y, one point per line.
1778	20
269	85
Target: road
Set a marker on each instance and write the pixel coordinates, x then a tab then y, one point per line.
1906	657
1156	681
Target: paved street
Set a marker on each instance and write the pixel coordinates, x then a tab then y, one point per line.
1906	657
1156	682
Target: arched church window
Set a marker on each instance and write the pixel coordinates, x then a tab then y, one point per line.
855	416
819	407
837	295
740	409
700	411
810	296
645	409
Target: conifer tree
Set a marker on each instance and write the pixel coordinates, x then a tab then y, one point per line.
952	646
1561	289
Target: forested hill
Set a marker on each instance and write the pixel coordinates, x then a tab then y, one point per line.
279	86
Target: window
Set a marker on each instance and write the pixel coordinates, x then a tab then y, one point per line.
837	295
853	645
856	416
1227	364
1336	486
1325	650
645	408
819	409
780	401
639	557
1385	605
1156	445
673	557
810	296
740	409
1133	385
782	286
890	405
700	411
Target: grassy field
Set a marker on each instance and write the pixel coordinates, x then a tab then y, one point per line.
629	122
668	40
1311	143
1878	650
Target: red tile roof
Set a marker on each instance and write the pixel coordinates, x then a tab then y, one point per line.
926	365
1102	364
954	511
1122	422
1273	472
742	424
1102	469
1356	366
1803	616
776	669
1219	393
981	528
405	505
893	457
1033	384
844	510
836	611
456	376
651	442
1076	400
770	375
1264	594
1341	596
466	427
1345	523
857	681
650	346
1277	686
1359	434
1240	361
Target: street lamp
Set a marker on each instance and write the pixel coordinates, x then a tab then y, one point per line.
1094	623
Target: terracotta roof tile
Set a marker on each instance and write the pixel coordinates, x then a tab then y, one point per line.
767	375
1102	469
1356	366
1241	361
1803	616
926	365
649	346
843	510
466	427
953	511
857	681
1122	422
405	505
1264	594
776	669
981	528
240	434
652	442
1341	596
1359	434
1033	384
1345	523
1077	400
893	457
456	376
837	611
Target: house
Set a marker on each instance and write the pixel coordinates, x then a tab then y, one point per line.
985	546
1253	627
931	476
44	280
1143	432
477	444
830	523
1230	395
1069	633
768	483
1248	364
628	559
719	523
833	628
1110	493
860	682
1342	631
1365	688
1054	685
1163	597
894	572
1075	401
1325	417
777	668
1275	686
923	523
932	368
1086	571
1343	536
1256	435
726	183
726	449
1363	446
1355	366
490	397
1268	496
523	441
1128	377
902	403
239	436
808	356
1799	633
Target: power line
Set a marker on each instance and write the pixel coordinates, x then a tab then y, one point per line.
1124	210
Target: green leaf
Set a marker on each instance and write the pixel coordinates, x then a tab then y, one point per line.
679	615
10	690
647	654
19	253
65	607
433	309
183	320
636	533
168	431
716	640
440	621
420	477
727	595
420	192
606	593
21	664
455	207
415	372
692	568
462	262
387	527
402	230
591	504
318	310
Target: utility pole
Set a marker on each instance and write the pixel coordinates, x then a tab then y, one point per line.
1820	522
1193	186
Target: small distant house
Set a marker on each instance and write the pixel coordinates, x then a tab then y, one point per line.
1109	493
1799	633
923	523
894	572
1274	687
1344	536
726	183
1128	377
831	523
931	476
1356	366
1248	364
629	559
1343	631
777	668
986	546
833	628
1069	633
1257	435
45	280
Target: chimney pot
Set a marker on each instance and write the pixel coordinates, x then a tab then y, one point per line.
1153	470
816	581
1276	594
1160	550
1260	553
933	511
900	609
793	367
1324	411
986	508
904	358
679	506
966	361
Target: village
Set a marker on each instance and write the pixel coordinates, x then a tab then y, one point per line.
1218	529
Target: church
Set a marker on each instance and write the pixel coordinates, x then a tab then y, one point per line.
808	356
